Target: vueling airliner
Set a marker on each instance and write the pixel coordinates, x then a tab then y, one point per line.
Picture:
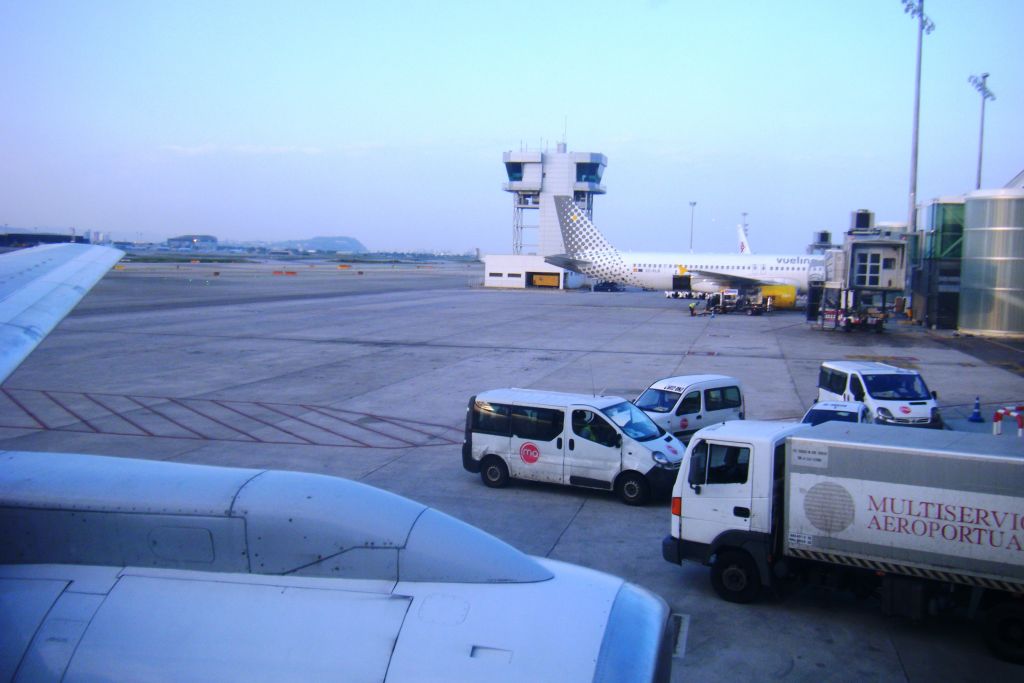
590	253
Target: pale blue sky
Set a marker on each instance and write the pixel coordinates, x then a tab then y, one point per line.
386	121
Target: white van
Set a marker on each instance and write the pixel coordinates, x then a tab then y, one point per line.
893	396
682	405
601	442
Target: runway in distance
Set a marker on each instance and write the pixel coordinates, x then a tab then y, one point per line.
122	569
782	276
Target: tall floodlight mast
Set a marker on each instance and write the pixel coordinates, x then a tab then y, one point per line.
915	8
979	84
692	206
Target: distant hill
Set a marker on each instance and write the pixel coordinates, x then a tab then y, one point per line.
348	245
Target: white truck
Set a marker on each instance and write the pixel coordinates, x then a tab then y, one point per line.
931	520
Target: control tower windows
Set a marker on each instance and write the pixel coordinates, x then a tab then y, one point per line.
514	170
587	173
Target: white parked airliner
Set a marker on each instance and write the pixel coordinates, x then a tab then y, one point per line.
590	253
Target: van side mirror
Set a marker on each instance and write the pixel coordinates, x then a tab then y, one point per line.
618	440
696	488
935	395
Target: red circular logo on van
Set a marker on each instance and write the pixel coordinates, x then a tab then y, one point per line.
529	453
684	423
905	410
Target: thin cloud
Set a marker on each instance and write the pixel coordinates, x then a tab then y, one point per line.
246	150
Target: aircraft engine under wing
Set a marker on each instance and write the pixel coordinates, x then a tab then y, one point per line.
38	287
117	569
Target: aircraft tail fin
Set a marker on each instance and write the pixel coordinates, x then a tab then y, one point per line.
744	243
578	233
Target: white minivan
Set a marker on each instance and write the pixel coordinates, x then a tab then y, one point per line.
601	442
893	396
682	405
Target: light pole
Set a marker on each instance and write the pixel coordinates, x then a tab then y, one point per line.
915	8
979	84
692	206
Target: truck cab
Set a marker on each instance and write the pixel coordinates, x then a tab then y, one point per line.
724	502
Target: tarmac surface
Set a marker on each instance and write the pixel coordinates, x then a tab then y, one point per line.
365	373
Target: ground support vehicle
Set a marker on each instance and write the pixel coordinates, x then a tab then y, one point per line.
893	395
600	442
844	309
928	520
722	302
683	404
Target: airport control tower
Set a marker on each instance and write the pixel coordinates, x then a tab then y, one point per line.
534	179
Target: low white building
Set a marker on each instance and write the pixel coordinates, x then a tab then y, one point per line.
522	271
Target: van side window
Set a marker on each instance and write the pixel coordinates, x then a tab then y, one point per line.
689	404
698	464
721	398
592	427
727	464
856	388
541	424
490	418
832	380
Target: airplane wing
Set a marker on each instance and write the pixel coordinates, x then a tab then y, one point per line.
727	280
38	287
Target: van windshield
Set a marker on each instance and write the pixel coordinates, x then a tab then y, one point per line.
633	422
896	387
657	400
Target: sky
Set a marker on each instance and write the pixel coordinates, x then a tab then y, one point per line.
386	121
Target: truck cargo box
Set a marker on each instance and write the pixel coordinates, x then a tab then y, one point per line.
937	504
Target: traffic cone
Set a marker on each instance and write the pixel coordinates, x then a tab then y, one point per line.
976	415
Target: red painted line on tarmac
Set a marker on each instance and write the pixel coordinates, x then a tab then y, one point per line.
160	413
359	426
224	405
24	408
68	410
403	424
312	424
113	412
213	419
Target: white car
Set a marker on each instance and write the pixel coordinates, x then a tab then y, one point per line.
838	411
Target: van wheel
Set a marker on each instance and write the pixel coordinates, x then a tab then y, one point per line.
1004	631
494	472
734	577
633	488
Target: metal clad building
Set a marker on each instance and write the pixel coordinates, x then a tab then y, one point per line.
992	294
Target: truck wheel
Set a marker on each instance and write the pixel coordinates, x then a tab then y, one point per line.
633	488
1004	631
494	472
734	577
